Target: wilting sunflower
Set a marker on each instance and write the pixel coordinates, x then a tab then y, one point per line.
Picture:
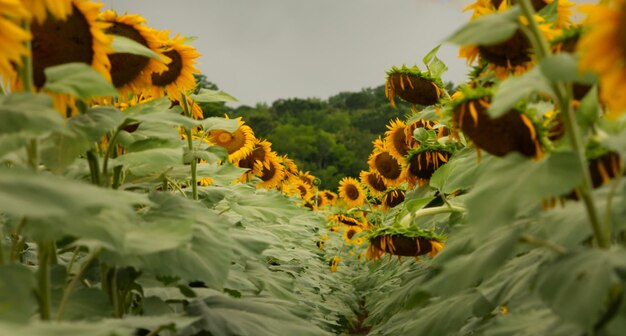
413	86
403	241
351	192
396	141
387	166
79	38
133	73
271	175
603	51
178	78
42	9
373	182
604	167
349	233
392	198
12	36
512	56
513	131
239	143
422	162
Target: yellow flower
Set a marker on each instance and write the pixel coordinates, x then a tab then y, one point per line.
387	166
60	9
351	192
239	143
373	181
12	36
178	79
395	139
271	175
603	51
132	74
334	263
350	232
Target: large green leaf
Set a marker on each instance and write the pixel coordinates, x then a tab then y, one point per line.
79	80
516	88
125	45
578	286
458	174
563	67
151	161
17	299
28	113
509	186
488	29
225	316
212	96
530	323
266	205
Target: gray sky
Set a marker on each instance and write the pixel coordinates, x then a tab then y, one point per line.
262	50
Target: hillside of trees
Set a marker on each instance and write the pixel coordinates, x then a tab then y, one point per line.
330	138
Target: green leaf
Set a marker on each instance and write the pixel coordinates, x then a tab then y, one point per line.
516	88
431	55
149	107
125	45
216	123
86	304
211	154
212	96
530	323
225	316
578	285
150	161
563	67
266	205
17	300
588	112
516	184
28	113
488	29
460	173
79	80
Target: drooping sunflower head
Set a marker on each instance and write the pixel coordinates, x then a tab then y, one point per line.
351	192
396	141
413	86
132	74
603	51
178	78
415	124
422	162
387	166
239	144
403	241
392	198
13	37
373	182
513	131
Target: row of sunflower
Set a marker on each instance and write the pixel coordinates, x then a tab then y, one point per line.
539	120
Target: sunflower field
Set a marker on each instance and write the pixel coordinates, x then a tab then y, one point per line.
497	208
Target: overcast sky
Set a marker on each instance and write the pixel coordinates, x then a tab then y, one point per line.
262	50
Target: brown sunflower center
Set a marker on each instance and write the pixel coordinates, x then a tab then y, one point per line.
57	42
258	154
352	192
399	142
376	182
303	190
350	233
512	52
537	4
387	166
126	67
268	173
175	67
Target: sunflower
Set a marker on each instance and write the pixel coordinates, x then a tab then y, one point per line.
260	152
403	241
347	220
79	38
271	175
387	166
604	167
330	196
351	192
299	189
239	144
603	51
393	197
424	161
132	74
178	79
13	36
396	140
413	86
59	9
373	182
334	263
512	56
420	123
513	131
349	233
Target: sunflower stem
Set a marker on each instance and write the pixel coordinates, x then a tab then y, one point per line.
563	95
92	159
43	279
532	240
105	162
406	220
194	161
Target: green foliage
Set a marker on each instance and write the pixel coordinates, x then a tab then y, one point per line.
79	80
488	29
